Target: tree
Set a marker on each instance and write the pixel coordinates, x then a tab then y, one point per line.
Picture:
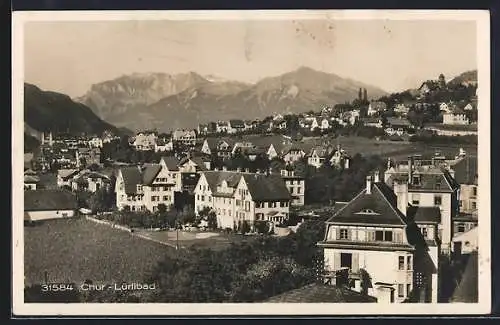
268	277
245	227
308	235
209	216
212	220
102	200
261	226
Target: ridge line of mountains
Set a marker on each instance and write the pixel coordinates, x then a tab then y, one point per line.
163	101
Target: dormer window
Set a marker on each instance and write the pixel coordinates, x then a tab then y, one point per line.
367	211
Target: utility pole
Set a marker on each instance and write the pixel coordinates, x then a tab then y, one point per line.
177	238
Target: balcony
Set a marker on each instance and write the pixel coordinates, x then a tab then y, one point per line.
346	277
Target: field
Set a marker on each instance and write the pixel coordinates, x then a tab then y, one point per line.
394	149
214	240
74	250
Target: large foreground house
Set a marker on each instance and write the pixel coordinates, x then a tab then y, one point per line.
144	188
239	197
423	184
371	247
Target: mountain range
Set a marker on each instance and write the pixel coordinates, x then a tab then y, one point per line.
46	111
465	77
164	101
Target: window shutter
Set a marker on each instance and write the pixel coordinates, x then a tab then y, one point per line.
336	261
338	231
355	262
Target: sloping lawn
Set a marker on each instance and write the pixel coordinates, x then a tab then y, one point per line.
74	250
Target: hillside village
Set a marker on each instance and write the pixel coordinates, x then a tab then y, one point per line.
386	226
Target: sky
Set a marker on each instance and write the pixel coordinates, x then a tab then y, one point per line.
69	57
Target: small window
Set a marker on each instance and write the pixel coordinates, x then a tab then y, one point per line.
408	263
438	200
474	205
401	263
408	289
424	232
461	228
388	235
474	191
379	235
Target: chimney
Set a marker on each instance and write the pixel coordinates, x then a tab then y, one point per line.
257	171
216	169
368	185
346	163
376	177
238	169
224	168
388	163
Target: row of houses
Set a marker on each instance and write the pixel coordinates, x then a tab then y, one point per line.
142	188
72	142
277	147
232	126
388	240
83	180
152	141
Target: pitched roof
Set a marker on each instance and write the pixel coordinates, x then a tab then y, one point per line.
398	121
237	123
215	178
434	179
317	293
424	214
321	151
131	177
66	172
467	289
266	187
44	200
379	207
197	160
149	173
171	162
466	170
